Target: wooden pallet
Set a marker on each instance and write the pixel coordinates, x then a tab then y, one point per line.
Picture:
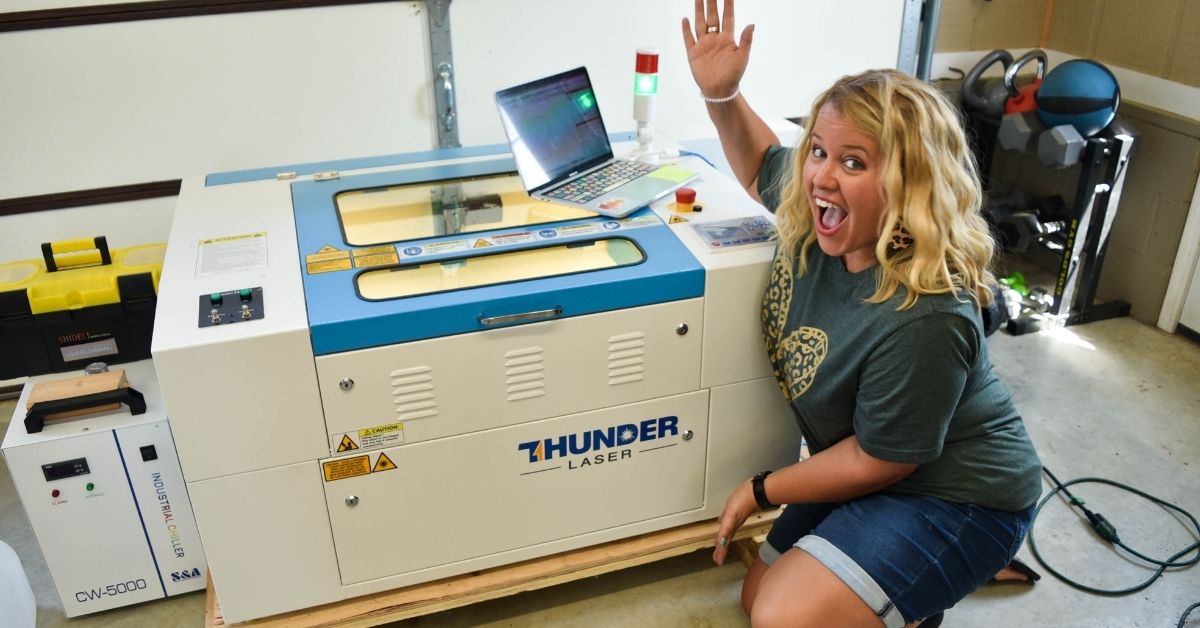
448	593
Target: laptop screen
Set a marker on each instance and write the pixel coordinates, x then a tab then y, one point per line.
554	127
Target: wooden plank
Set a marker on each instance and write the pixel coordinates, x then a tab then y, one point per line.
490	584
79	386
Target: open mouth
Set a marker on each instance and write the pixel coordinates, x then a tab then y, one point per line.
830	217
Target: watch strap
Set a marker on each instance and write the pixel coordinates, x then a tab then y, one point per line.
758	485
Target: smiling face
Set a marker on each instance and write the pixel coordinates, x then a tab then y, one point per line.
841	178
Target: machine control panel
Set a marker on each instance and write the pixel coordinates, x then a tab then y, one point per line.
65	469
231	306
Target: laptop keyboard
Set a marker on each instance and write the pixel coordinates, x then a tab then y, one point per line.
594	184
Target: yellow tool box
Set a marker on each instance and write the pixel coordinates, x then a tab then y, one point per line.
80	303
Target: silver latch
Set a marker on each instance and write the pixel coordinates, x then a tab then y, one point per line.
285	176
330	175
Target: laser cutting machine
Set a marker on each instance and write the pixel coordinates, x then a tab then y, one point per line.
387	371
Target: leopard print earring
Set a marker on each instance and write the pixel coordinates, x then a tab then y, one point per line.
901	238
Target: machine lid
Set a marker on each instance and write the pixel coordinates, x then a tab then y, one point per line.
571	267
416	211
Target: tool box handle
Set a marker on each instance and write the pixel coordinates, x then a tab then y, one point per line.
35	419
81	252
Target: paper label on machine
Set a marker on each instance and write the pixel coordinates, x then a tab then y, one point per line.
368	438
610	444
232	253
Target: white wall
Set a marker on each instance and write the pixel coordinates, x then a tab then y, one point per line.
134	102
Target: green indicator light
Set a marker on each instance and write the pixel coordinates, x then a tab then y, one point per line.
215	298
245	294
585	100
645	84
90	486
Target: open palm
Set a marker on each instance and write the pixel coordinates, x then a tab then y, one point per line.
716	60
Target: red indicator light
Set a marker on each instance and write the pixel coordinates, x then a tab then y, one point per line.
55	493
647	62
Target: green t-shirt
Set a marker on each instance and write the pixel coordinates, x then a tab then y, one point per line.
914	386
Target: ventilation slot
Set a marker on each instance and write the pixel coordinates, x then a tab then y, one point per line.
524	373
413	394
626	358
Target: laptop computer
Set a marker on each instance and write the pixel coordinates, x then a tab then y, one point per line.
562	150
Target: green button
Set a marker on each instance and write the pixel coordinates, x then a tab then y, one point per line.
215	298
245	294
90	486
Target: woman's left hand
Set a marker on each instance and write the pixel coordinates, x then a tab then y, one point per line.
738	509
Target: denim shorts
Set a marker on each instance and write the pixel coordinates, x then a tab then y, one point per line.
906	556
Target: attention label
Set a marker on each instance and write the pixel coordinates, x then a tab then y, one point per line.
381	435
346	468
232	253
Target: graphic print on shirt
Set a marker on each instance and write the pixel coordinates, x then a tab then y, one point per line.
794	358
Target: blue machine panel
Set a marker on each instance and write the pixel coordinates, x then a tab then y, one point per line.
341	320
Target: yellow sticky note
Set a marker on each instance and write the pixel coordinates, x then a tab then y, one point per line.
672	173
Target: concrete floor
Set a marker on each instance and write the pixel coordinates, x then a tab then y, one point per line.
1115	399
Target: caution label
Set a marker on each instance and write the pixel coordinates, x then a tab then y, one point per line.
329	266
343	468
375	250
481	243
677	219
371	261
325	254
346	444
382	435
383	464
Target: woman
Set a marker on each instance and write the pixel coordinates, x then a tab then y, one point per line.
922	479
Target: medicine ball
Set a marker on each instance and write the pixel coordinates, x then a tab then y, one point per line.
1081	93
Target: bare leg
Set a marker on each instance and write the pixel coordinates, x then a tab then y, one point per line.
799	591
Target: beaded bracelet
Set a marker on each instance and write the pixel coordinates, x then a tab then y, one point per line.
721	100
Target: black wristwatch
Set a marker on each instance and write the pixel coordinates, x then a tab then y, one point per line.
760	491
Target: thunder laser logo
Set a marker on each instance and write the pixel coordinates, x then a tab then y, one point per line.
590	441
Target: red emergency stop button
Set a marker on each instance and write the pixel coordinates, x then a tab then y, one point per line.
55	493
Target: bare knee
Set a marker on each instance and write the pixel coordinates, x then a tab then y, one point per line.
754	575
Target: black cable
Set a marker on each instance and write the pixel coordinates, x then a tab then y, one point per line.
1107	531
1183	619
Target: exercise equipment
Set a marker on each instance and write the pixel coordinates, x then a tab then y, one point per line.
1060	147
1023	99
1081	93
990	96
1087	224
1019	131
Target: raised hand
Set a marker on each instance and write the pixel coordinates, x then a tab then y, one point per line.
717	61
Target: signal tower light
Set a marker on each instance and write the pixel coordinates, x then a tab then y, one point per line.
645	97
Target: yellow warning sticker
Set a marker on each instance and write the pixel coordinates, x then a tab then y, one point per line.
343	468
329	266
375	250
677	219
325	256
480	243
371	261
347	444
381	435
328	248
383	464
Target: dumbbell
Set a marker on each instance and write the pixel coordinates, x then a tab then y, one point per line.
1022	228
1061	146
1019	131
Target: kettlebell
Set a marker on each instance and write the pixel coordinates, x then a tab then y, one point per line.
987	97
1023	99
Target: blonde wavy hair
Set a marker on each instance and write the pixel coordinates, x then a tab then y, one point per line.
930	185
